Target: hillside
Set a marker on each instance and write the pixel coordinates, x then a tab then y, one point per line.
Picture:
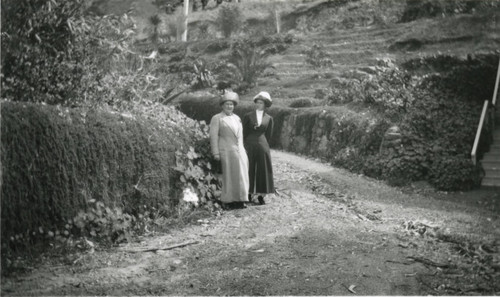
354	35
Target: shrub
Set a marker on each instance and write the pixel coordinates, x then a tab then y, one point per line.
217	45
454	173
436	132
390	90
471	79
248	61
68	166
318	57
416	9
228	19
194	166
304	102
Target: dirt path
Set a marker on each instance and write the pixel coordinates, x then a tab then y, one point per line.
329	232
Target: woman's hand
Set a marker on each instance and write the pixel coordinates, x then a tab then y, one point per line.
217	157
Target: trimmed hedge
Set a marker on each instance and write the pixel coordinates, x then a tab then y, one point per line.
55	161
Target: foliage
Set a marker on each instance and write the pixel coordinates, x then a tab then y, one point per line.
168	6
304	102
154	22
471	79
437	132
249	60
194	167
416	9
202	75
272	44
217	45
390	89
40	57
125	76
99	222
455	173
85	61
228	19
317	56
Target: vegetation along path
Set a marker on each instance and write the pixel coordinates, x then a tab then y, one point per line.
327	232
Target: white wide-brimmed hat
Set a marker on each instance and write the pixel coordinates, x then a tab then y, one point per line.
264	96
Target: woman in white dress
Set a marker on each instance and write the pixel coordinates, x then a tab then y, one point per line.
226	141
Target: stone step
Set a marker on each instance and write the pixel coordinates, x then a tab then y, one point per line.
491	165
494	150
490	182
493	173
491	157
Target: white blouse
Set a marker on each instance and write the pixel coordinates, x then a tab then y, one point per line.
260	114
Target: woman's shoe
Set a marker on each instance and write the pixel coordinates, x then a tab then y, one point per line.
250	197
261	200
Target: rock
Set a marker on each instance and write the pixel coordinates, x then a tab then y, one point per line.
338	82
323	145
385	62
357	74
299	144
392	139
370	69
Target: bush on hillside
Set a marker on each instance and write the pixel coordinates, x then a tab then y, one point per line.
417	9
436	130
245	64
389	89
228	19
452	173
299	103
317	56
470	80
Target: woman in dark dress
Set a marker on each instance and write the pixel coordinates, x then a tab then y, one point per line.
257	132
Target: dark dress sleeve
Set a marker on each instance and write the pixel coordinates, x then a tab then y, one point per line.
269	130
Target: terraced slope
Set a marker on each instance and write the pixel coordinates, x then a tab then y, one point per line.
357	50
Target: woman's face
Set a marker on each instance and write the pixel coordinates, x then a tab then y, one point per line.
259	104
228	107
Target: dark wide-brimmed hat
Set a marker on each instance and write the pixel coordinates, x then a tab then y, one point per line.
229	96
264	96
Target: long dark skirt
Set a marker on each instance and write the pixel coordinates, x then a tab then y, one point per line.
259	166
